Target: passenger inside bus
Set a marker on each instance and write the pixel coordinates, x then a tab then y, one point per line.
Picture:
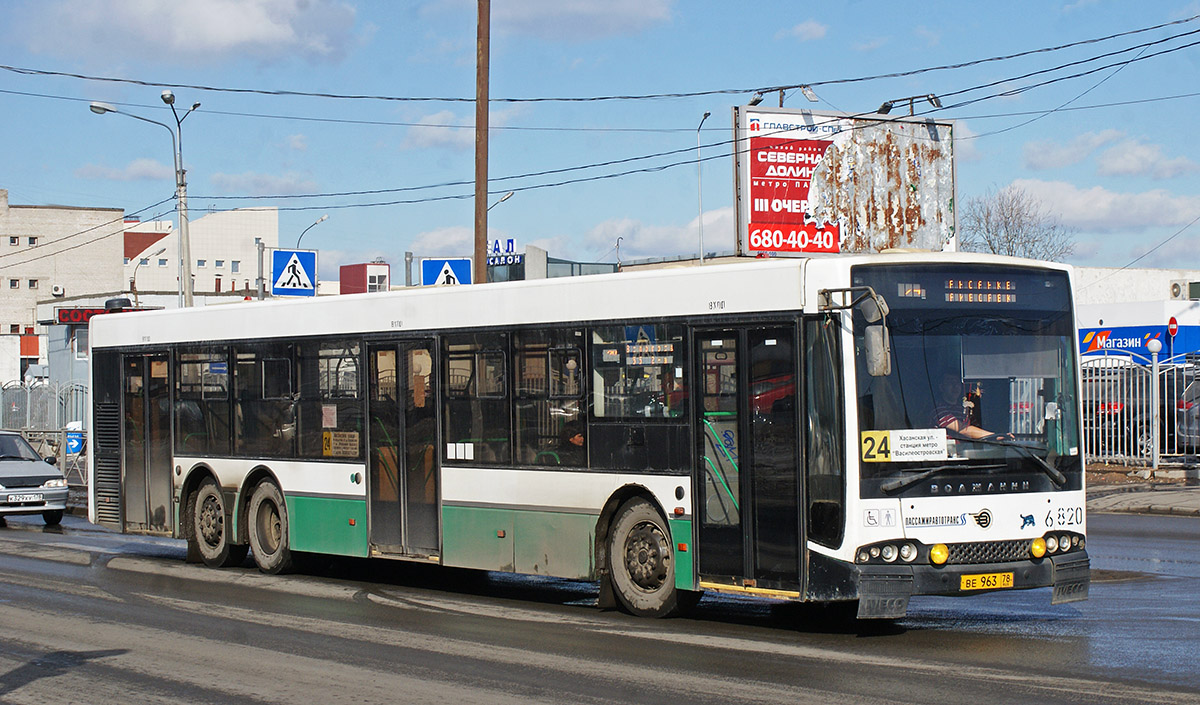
572	449
953	411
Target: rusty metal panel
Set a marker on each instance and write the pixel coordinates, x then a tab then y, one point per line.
888	185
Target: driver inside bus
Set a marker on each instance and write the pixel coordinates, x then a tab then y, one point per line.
953	412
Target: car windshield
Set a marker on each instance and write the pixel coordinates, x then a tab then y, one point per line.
13	447
981	393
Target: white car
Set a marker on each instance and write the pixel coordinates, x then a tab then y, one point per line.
29	484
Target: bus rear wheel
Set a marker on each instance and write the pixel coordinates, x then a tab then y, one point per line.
643	565
269	529
210	534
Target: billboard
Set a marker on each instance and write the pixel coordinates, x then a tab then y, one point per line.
807	182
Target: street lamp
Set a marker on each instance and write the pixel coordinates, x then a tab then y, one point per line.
185	244
700	184
133	279
320	220
503	198
889	104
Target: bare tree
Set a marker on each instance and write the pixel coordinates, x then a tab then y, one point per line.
1010	221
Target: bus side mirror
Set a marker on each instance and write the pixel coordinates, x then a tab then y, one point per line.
879	351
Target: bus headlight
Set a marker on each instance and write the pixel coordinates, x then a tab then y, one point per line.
908	552
939	554
1064	543
1037	548
888	553
1051	544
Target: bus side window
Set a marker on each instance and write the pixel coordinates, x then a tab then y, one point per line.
477	399
825	475
548	397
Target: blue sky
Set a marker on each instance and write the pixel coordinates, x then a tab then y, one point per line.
1117	161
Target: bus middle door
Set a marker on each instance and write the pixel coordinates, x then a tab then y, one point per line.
748	484
403	464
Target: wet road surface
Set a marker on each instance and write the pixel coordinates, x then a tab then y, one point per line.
87	616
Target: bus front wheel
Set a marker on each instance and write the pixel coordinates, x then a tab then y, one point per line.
269	529
210	533
643	566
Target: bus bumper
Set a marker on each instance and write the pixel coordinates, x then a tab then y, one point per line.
884	591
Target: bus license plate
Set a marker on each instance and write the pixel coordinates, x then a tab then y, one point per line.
22	498
986	581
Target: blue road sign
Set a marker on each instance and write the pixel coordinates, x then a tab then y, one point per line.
293	273
456	270
74	442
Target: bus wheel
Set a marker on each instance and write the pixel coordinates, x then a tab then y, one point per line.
209	531
269	529
643	566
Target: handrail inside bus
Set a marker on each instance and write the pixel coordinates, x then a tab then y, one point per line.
716	439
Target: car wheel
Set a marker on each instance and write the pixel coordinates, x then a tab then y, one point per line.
209	530
52	517
643	565
269	529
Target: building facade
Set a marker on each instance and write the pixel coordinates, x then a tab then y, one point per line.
49	252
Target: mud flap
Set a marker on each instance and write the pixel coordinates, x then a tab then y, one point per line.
884	595
1071	577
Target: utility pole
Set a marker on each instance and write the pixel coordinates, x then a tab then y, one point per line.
481	139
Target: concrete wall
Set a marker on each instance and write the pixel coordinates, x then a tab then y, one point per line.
1101	285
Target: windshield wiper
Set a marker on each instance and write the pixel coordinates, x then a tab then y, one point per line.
13	457
902	482
1027	451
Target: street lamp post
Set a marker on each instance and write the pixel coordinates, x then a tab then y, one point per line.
320	220
185	245
700	187
503	198
133	279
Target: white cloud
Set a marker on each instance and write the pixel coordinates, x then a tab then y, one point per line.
442	129
870	44
298	143
641	240
1098	209
192	31
807	30
1137	158
1046	154
136	170
931	37
253	183
454	241
966	147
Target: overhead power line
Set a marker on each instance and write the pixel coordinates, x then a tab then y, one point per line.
51	250
583	99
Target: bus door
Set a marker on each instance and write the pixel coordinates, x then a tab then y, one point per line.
748	489
403	448
146	441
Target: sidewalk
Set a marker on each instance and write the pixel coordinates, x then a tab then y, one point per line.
1123	490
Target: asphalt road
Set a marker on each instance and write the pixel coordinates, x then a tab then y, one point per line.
90	616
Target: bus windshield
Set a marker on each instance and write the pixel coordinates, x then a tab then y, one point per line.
982	393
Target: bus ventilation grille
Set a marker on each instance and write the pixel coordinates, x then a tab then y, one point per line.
988	552
106	483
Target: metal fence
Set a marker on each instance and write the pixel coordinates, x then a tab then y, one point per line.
1140	411
42	405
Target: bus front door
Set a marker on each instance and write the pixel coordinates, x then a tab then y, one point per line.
403	445
748	492
146	441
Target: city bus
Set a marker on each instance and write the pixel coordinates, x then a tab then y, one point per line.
857	429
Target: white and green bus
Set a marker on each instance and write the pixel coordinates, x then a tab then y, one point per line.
856	428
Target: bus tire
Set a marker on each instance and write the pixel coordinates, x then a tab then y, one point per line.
643	565
209	530
268	525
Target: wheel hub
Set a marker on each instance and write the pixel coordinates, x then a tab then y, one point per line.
212	521
646	556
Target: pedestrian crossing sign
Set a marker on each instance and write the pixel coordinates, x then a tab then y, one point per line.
293	272
445	272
